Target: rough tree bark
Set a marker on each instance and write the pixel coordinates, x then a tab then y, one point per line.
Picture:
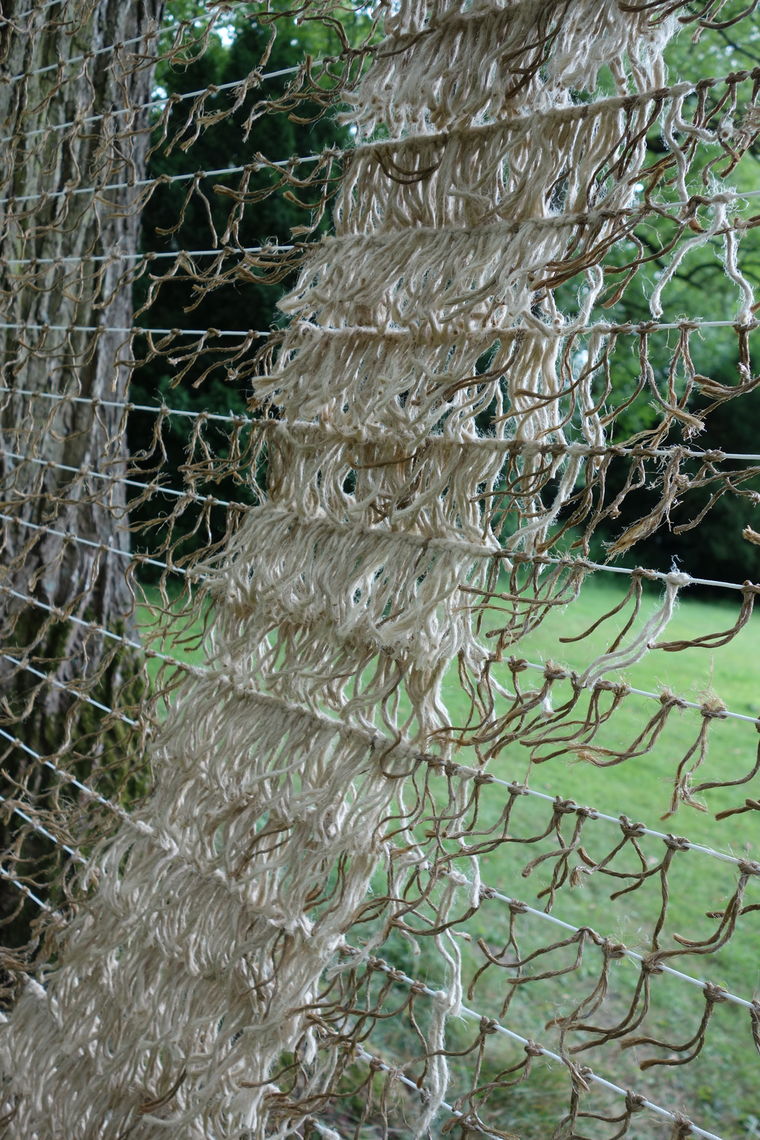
60	460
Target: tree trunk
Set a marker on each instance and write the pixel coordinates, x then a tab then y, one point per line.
65	292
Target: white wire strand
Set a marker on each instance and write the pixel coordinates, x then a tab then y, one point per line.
36	826
154	488
461	880
130	330
61	615
474	550
68	777
561	114
522	789
633	955
532	325
250	83
552	221
22	886
241	419
31	11
682	702
473	1015
381	745
63	63
151	255
398	1075
27	668
106	548
374	740
168	179
493	893
535	326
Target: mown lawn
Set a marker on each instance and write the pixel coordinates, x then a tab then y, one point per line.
719	1090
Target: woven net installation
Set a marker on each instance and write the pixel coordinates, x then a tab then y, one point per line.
366	770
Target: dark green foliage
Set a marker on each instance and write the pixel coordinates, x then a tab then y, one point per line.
248	305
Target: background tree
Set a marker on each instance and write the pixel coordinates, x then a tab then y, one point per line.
66	132
700	290
245	300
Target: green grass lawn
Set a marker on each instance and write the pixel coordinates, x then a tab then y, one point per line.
719	1090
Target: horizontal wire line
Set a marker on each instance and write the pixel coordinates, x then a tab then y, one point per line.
31	11
542	915
583	110
250	83
397	1075
68	777
62	63
457	546
137	329
167	179
163	409
645	210
473	1015
27	668
61	615
38	827
569	113
532	325
629	327
480	551
682	701
730	997
106	548
378	742
493	893
522	789
459	880
486	442
167	101
143	827
681	579
382	744
562	113
22	886
150	255
156	488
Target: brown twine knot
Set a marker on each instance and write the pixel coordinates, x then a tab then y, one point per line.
713	708
651	963
677	842
682	1127
482	778
631	830
714	994
634	1102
